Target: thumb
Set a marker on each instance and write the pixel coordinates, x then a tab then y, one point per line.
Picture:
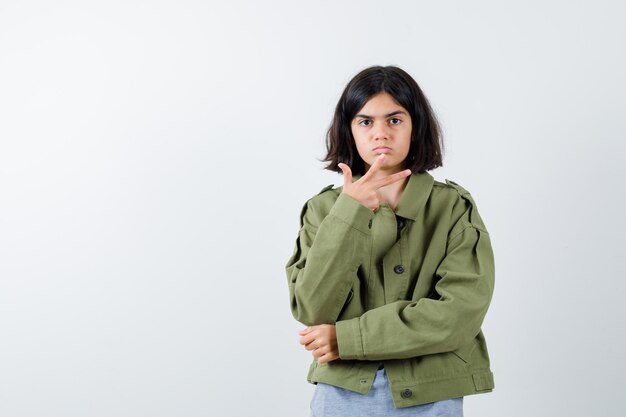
347	174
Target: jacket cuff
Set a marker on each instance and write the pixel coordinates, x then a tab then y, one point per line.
349	339
353	213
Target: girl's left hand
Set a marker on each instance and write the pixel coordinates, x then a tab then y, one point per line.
322	340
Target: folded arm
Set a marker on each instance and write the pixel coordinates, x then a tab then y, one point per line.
327	254
406	328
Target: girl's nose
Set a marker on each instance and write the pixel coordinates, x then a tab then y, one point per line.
380	131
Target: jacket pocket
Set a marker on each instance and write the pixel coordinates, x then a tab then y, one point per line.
465	352
346	304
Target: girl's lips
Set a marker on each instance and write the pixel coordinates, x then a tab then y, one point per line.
382	150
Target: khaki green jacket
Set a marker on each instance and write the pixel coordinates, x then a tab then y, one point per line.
409	289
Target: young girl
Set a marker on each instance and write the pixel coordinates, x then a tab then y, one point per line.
392	272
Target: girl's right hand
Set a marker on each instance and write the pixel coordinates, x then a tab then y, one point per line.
365	189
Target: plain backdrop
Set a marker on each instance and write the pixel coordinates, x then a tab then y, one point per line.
155	155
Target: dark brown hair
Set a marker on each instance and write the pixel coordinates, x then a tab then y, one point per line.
425	151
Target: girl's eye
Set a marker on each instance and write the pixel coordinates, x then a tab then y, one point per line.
394	121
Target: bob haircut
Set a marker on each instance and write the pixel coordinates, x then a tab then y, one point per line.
425	151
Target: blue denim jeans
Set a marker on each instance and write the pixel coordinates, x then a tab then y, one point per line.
331	401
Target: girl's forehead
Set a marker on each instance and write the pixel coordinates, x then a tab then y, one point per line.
381	102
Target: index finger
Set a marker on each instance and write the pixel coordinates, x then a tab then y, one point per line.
375	166
306	339
392	178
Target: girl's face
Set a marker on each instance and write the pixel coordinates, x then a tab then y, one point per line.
382	126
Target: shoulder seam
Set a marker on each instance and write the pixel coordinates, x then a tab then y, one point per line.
305	207
462	191
467	226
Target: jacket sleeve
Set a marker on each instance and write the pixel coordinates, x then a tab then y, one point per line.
409	328
327	254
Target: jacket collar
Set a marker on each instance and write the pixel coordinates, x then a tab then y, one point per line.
414	196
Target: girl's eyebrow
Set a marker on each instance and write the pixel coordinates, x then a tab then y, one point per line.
393	113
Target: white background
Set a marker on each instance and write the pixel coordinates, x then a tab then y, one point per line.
155	155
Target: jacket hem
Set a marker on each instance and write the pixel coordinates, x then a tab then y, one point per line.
421	392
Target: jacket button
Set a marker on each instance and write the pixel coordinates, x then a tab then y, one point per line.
398	269
369	224
406	393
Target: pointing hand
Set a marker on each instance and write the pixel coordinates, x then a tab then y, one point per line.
365	189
